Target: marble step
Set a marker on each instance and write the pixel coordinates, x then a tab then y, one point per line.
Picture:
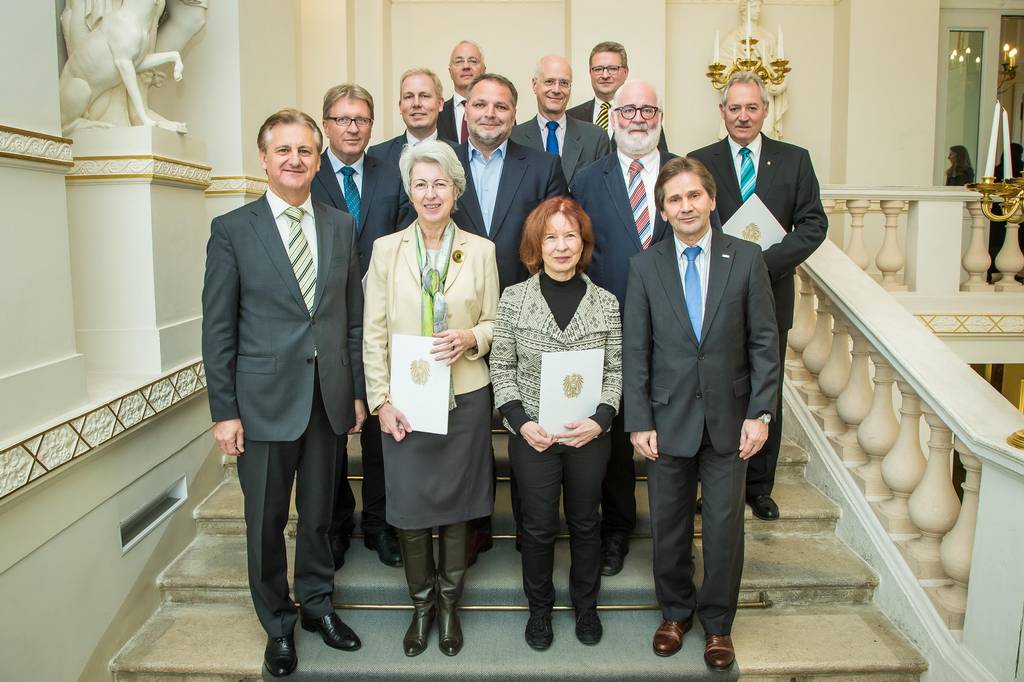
792	459
802	507
792	569
222	642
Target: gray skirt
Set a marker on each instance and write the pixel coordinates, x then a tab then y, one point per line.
434	480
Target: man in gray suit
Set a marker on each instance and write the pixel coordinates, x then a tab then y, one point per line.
701	371
282	348
578	143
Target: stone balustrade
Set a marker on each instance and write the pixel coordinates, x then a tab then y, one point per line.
869	374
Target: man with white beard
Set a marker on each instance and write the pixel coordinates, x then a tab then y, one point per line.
617	192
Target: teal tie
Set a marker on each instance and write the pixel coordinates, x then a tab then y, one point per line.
351	194
747	177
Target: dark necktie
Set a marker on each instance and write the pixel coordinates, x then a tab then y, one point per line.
351	194
552	142
464	131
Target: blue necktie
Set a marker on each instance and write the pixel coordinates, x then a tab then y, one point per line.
692	295
552	144
747	176
351	194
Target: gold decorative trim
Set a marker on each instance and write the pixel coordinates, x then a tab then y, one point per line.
1016	439
973	324
39	454
222	185
140	167
29	145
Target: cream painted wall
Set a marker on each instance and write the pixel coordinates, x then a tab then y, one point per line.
30	98
324	47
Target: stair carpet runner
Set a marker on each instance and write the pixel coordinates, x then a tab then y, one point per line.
805	607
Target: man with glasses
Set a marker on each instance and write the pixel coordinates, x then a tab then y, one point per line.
464	66
371	191
609	68
577	143
617	192
420	100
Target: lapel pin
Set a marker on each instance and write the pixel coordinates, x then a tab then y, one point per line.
768	163
457	256
725	255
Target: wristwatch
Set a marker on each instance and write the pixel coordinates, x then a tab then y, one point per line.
764	418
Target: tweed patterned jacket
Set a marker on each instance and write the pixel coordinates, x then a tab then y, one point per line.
525	329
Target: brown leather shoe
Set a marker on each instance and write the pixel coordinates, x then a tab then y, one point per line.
718	651
668	638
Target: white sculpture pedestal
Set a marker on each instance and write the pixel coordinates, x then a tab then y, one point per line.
138	227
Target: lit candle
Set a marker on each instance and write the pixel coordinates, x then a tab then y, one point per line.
990	160
782	50
716	49
1007	163
748	30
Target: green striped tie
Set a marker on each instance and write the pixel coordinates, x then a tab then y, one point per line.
602	115
300	256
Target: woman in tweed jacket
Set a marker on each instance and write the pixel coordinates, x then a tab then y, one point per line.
557	309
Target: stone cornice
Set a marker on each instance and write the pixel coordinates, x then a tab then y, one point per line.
28	145
151	168
973	324
221	185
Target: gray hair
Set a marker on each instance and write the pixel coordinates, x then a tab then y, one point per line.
432	151
616	101
745	77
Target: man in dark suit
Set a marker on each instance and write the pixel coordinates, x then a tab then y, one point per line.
747	162
419	101
464	65
504	182
282	347
369	190
609	68
700	374
617	192
577	143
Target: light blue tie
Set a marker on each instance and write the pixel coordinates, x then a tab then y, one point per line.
552	143
748	179
351	194
692	294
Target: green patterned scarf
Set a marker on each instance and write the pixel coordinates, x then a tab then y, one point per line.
433	306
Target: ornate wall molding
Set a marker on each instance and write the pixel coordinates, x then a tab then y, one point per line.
972	324
28	145
236	184
140	167
43	452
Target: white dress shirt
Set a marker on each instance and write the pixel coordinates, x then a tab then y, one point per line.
284	223
459	107
597	112
412	140
542	122
703	263
651	164
357	177
737	158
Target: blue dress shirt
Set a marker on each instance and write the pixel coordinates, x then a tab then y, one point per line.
486	176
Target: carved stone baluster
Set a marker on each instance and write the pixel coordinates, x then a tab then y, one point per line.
934	506
903	467
854	403
1010	260
890	259
816	354
803	330
855	244
877	433
976	259
956	549
834	376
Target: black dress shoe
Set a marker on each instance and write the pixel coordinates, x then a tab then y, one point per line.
614	549
339	545
539	634
764	507
588	628
334	632
279	657
386	544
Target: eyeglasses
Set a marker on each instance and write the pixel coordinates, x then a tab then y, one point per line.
461	61
560	82
647	112
610	70
439	186
345	121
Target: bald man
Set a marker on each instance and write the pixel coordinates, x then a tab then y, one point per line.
464	65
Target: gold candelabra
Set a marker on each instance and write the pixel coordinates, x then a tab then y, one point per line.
1009	194
773	72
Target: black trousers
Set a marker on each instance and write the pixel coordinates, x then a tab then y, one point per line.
574	474
761	467
672	482
618	490
266	471
373	519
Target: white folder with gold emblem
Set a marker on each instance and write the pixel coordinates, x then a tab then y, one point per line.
755	223
570	387
419	383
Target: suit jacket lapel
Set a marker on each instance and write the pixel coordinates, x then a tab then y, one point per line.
455	266
660	226
615	184
325	249
572	148
263	223
370	178
767	166
407	252
470	217
720	264
726	170
512	171
668	272
329	180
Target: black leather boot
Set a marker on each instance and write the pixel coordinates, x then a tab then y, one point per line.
451	576
417	547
